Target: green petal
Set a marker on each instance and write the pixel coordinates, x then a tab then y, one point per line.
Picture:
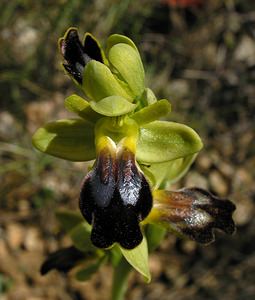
162	141
81	107
99	82
113	106
162	174
126	60
117	39
70	139
152	112
138	259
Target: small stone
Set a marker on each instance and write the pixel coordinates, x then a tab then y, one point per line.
9	128
15	235
3	248
24	207
155	265
204	162
194	179
245	51
218	183
32	240
244	211
241	179
188	246
226	169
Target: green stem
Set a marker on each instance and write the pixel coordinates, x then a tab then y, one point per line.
120	277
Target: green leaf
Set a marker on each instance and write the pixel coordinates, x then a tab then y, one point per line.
86	273
162	174
152	112
113	106
80	236
155	235
126	60
69	219
115	39
71	139
81	107
162	141
99	82
138	259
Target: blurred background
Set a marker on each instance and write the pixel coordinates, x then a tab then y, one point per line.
198	54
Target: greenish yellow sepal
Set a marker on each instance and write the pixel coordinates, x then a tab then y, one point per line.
163	174
162	141
70	139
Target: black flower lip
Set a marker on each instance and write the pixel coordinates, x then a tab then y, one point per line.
115	197
76	54
194	213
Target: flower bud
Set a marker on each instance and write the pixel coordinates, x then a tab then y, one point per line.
121	75
76	54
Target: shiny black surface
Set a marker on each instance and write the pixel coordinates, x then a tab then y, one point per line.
115	197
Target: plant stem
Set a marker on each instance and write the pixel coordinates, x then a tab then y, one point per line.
120	276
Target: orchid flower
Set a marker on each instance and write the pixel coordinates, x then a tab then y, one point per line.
136	155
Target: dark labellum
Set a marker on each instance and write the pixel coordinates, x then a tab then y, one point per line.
115	197
62	260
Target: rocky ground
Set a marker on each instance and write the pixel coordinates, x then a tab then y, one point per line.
202	59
